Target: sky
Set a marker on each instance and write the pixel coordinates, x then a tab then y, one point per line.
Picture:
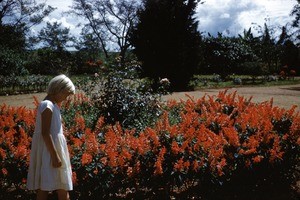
229	17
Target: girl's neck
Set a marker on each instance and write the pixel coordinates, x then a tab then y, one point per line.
50	98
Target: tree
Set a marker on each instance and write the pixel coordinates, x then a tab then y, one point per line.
226	55
270	47
249	39
55	37
267	47
296	22
290	55
12	38
23	13
166	40
88	42
12	44
53	57
88	52
16	19
274	50
108	20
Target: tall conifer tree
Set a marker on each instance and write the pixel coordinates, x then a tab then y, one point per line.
166	39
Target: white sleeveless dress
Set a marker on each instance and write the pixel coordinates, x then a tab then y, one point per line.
41	174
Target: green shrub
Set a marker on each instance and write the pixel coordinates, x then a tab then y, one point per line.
120	96
23	84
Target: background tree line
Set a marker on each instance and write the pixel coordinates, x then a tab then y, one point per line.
162	34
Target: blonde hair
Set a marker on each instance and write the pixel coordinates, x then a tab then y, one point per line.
59	83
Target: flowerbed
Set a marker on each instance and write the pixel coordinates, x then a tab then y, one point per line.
207	148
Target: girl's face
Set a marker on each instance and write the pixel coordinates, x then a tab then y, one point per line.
63	95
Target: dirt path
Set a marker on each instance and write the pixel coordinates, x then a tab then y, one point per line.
283	96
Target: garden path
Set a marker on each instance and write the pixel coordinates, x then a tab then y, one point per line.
283	96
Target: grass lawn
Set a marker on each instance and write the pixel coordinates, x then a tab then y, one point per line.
213	81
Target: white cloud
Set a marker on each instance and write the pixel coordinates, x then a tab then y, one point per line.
62	5
225	16
233	16
62	21
58	16
215	16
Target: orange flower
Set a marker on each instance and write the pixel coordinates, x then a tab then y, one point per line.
4	171
220	166
21	152
257	159
140	144
158	164
232	136
186	164
86	159
2	153
99	125
195	165
178	166
74	177
276	152
153	136
175	148
126	154
247	163
104	160
91	143
80	122
77	142
171	103
158	167
112	158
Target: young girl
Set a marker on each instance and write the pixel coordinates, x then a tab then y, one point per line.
49	167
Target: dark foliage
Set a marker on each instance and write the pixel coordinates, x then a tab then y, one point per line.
120	96
166	40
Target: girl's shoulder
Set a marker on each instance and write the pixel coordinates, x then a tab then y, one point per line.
46	104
